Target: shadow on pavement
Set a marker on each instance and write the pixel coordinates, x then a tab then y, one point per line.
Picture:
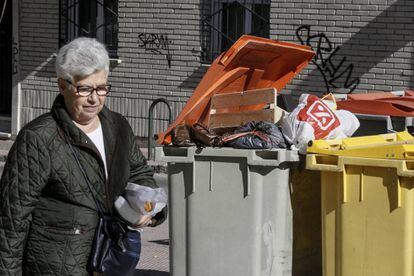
144	272
162	242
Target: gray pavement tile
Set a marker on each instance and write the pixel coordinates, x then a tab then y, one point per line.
155	251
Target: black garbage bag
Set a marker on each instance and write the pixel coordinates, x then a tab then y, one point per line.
256	135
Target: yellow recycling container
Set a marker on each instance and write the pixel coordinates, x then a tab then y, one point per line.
367	204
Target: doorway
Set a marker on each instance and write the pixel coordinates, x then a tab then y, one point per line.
6	64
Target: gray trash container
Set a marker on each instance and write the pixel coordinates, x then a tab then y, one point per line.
230	211
378	124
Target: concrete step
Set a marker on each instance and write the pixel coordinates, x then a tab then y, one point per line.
4	150
5	145
3	155
1	168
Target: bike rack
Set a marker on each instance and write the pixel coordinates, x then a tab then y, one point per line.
151	122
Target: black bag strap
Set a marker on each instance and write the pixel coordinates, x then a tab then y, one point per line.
98	206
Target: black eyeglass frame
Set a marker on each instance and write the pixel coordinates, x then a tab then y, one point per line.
89	89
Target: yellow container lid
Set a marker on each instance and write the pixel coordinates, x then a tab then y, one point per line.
398	145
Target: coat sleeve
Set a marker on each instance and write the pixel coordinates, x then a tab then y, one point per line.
25	175
141	173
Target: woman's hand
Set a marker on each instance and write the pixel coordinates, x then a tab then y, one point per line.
144	222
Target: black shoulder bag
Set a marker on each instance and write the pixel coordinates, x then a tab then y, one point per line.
115	249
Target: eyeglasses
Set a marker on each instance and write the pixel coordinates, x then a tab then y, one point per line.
85	91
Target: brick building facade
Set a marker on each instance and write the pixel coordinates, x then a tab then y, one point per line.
164	47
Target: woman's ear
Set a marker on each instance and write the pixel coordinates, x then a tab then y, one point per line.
62	85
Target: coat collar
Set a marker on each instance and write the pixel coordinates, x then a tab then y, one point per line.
76	135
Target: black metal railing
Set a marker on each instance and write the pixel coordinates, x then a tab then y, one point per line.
227	20
94	18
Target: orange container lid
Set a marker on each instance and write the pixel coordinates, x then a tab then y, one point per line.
251	63
379	107
383	103
370	96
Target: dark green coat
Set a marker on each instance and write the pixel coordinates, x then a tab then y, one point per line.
47	214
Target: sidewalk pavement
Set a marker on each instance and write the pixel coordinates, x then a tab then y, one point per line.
154	252
154	259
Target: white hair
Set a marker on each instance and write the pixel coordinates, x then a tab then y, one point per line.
80	58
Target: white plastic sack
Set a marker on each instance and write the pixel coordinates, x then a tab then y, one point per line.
126	212
138	201
349	122
314	119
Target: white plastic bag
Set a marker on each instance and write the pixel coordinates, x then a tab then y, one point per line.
349	122
314	119
126	212
138	201
145	200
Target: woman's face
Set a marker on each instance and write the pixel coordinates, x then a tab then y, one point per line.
84	110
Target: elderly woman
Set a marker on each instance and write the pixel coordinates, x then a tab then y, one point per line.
48	216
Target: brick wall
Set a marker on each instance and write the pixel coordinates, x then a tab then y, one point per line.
374	40
365	45
159	54
159	47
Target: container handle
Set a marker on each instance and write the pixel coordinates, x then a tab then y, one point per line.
318	162
406	168
175	154
271	158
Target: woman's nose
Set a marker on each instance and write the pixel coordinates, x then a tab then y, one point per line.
93	97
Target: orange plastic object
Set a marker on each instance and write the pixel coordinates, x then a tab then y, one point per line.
251	63
370	96
384	104
409	92
377	108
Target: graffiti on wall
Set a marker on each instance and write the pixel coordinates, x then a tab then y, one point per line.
15	52
157	44
335	74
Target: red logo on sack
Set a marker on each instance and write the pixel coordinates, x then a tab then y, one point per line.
320	116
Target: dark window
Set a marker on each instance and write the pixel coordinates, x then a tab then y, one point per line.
8	50
225	21
95	18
